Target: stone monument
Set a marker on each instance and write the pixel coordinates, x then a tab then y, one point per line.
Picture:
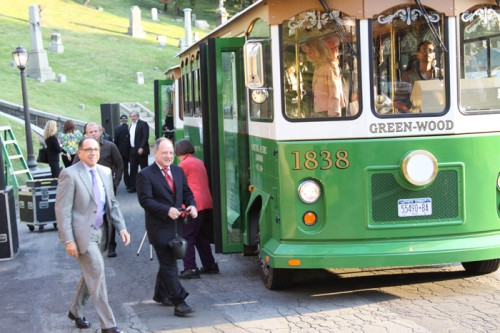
135	27
221	13
38	63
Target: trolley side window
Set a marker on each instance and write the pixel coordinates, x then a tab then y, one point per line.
319	66
408	61
480	59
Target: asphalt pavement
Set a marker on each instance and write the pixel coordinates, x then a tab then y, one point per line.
37	285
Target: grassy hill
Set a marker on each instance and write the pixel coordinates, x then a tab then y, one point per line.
99	60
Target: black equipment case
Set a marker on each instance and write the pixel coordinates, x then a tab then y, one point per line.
36	203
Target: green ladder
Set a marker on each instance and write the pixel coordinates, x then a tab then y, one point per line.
15	165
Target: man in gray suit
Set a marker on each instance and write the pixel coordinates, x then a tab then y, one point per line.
86	208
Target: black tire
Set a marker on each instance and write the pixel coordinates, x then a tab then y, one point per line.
276	278
481	267
40	228
31	227
55	225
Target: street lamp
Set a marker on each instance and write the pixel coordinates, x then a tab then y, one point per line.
20	56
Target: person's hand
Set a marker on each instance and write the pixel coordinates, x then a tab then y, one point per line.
140	151
72	249
174	213
125	237
193	212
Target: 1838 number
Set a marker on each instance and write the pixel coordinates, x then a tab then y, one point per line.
323	160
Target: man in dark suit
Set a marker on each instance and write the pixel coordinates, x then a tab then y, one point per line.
86	208
139	147
121	140
161	202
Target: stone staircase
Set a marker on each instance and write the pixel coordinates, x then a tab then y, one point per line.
144	113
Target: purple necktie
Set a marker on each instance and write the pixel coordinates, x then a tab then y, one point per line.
97	197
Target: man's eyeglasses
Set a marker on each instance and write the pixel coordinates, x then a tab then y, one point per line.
89	150
427	50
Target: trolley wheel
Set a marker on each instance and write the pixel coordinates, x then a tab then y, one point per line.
55	225
40	228
31	227
481	267
276	278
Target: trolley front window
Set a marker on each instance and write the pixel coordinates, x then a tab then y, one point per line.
480	59
408	61
320	66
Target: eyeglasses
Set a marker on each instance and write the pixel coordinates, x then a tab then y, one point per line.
89	150
427	50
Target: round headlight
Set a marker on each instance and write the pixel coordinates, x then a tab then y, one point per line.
419	167
309	191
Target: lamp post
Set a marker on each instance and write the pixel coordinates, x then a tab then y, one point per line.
20	56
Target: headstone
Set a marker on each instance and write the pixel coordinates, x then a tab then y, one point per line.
195	36
162	41
154	14
56	43
221	13
82	106
182	44
140	78
38	63
202	24
187	27
135	27
61	78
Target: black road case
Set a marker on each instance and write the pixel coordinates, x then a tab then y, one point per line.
9	241
36	203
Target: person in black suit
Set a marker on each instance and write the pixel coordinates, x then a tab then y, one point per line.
139	147
162	205
121	138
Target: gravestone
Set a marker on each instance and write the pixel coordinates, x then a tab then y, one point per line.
162	41
202	24
61	78
154	14
135	27
56	43
140	78
38	63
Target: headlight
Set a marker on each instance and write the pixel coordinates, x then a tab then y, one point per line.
309	191
419	167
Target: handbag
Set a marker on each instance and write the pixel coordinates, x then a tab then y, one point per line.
42	155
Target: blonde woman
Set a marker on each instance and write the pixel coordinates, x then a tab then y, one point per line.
54	148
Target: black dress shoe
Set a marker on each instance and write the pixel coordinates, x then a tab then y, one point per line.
214	269
165	301
111	330
111	253
131	190
182	309
79	322
190	273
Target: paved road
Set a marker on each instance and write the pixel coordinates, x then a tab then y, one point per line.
38	284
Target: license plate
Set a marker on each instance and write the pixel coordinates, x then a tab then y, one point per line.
414	207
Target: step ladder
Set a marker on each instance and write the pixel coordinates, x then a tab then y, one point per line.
15	166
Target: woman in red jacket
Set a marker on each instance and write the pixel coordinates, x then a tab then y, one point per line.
197	231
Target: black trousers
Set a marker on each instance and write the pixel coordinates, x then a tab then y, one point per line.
136	160
167	279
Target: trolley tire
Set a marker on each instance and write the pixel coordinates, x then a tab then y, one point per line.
55	225
31	227
40	228
481	267
276	278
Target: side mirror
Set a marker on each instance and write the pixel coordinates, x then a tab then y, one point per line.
254	69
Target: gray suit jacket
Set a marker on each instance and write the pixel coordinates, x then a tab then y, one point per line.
75	207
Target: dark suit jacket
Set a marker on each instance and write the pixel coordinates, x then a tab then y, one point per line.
141	137
122	140
156	197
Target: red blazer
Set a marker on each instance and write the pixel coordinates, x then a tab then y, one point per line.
197	178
